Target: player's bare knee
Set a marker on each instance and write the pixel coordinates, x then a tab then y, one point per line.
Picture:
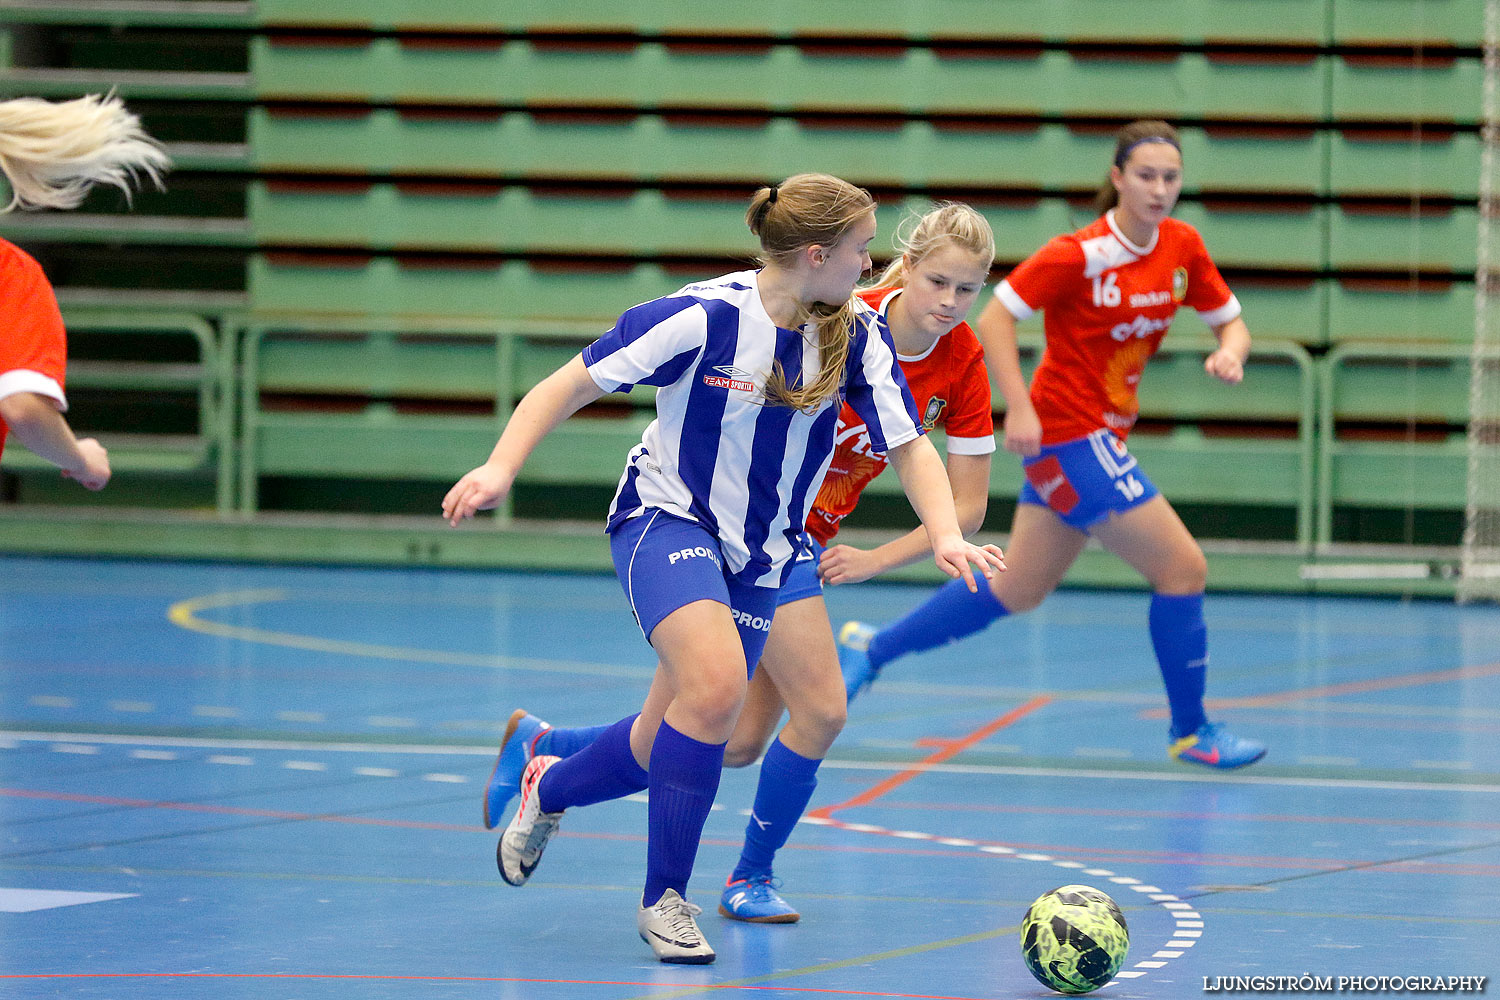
825	719
714	702
1021	599
742	754
1188	574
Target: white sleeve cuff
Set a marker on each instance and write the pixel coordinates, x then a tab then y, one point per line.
1218	317
25	380
971	446
1012	302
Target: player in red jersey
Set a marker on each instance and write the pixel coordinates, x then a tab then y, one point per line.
923	296
51	155
1109	292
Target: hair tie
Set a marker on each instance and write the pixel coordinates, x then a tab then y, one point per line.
1124	154
771	198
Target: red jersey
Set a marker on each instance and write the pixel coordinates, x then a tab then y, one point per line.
33	346
1108	304
952	391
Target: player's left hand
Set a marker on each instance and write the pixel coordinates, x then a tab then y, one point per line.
954	555
1225	366
846	564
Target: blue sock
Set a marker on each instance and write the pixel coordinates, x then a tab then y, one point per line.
946	616
787	780
605	769
1181	641
684	780
567	741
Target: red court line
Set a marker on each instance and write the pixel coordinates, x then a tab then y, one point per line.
675	987
1099	855
1350	687
952	749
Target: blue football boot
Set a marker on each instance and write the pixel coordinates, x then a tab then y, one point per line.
1212	746
517	747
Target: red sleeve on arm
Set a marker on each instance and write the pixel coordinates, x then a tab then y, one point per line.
970	413
31	328
1039	278
1207	289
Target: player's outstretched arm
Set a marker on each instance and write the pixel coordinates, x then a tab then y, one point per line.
36	423
926	485
553	400
996	330
970	476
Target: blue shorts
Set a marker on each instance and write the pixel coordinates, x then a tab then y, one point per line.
666	562
803	581
1086	480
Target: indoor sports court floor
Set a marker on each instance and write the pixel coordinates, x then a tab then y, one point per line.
264	782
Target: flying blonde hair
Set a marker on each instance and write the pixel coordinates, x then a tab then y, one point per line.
949	223
802	211
54	152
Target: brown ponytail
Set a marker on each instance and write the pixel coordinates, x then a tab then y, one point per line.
802	211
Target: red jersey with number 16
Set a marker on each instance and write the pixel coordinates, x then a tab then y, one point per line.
952	391
1107	306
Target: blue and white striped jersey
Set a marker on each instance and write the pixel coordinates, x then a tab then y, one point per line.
716	452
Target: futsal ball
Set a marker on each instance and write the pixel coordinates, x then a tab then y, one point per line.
1074	939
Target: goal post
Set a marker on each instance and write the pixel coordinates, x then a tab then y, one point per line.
1480	571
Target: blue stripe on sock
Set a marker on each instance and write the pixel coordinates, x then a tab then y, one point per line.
948	615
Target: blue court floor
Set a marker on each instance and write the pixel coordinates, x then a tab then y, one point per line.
264	782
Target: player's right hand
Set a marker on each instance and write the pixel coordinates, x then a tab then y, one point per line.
95	472
480	489
1023	431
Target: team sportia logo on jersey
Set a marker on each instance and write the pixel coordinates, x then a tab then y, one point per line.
935	407
730	377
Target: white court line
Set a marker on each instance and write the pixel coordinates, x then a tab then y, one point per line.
1178	939
488	750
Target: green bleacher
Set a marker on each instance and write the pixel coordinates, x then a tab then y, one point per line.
390	218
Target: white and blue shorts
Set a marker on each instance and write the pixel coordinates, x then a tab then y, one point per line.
1086	480
666	562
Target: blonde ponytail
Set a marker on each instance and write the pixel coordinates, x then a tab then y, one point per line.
53	153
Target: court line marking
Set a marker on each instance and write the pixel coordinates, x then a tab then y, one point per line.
1348	687
949	750
738	985
1172	904
1318	865
184	614
1016	770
